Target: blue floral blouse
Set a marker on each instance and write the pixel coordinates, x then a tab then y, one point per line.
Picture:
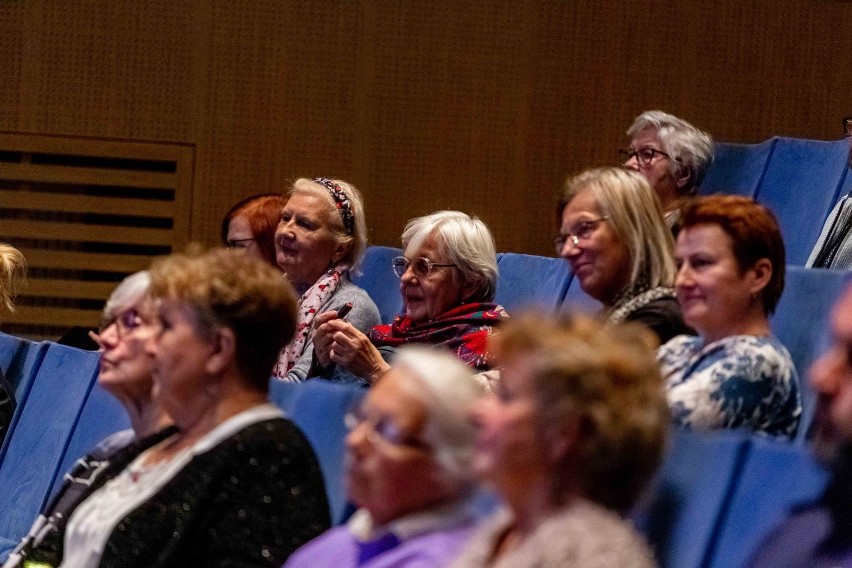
742	381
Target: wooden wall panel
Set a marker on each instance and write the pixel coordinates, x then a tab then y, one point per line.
482	106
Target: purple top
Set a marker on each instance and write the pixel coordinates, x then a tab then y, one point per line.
339	548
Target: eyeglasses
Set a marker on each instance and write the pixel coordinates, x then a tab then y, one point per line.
125	321
644	156
239	243
421	266
382	430
578	233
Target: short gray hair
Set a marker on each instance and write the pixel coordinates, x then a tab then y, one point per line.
129	293
358	238
447	388
689	147
637	218
466	241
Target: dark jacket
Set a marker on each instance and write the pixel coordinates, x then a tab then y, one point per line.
250	501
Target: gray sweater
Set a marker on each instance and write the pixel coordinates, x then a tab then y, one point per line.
364	316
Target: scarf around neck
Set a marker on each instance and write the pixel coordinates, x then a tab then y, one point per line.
309	306
463	330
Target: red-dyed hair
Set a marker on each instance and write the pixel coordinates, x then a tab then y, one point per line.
753	230
262	212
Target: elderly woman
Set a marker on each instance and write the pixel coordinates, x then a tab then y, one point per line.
613	236
448	276
673	156
731	274
575	431
237	485
321	237
126	372
407	458
251	223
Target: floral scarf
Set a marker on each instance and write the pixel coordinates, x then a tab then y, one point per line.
309	306
463	330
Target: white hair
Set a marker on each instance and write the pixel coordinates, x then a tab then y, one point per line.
447	388
467	243
689	147
131	290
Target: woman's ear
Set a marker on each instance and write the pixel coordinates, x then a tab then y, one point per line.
342	249
761	275
560	440
223	352
683	177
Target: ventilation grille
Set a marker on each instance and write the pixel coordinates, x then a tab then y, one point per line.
86	213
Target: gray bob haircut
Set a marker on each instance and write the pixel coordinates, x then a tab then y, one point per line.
689	147
129	293
637	219
447	387
358	238
465	241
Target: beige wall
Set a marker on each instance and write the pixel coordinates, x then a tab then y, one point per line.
478	105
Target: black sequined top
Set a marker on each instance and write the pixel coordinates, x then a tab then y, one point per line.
250	501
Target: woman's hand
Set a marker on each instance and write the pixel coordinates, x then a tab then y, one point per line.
342	343
323	338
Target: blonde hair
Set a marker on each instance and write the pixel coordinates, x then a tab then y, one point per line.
357	241
13	275
607	382
636	216
225	288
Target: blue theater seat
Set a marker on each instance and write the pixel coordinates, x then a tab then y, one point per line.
527	281
41	431
802	182
101	416
318	408
681	514
737	169
380	282
775	477
801	322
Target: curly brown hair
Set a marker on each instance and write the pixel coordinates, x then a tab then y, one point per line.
225	288
606	381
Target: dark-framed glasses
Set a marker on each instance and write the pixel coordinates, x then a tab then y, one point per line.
382	430
579	233
644	156
421	266
239	243
125	321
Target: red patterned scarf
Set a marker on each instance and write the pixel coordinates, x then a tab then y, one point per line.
463	330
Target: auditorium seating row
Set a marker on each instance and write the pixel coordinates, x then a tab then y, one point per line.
62	413
799	180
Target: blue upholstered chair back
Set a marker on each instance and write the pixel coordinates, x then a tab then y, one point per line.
534	282
380	282
681	515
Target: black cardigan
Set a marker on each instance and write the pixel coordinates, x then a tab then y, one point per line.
250	501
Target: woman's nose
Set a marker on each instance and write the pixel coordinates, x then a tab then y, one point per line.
356	438
570	248
632	163
408	277
683	278
108	337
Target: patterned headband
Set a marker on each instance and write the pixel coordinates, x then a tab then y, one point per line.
341	201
